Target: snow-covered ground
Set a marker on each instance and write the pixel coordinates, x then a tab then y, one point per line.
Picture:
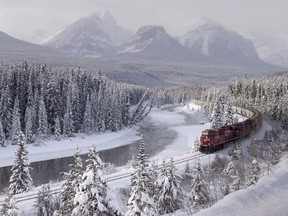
56	149
265	198
268	197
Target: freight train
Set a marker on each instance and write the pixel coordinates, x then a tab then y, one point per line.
214	139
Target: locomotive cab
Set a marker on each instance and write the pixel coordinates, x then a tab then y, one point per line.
207	138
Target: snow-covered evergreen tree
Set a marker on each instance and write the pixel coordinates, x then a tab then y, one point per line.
196	145
43	128
233	175
9	207
93	197
29	125
254	149
57	129
2	135
88	121
20	180
169	198
217	114
68	120
255	172
16	126
140	203
228	115
44	203
199	195
6	111
71	180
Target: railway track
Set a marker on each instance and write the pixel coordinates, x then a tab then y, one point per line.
33	194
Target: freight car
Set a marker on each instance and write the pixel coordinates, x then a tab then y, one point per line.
214	139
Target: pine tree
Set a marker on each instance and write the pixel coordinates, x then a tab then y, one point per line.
44	202
140	203
199	195
255	172
254	149
29	125
228	115
88	122
92	197
2	136
196	145
68	121
16	127
170	191
20	180
42	130
233	175
71	180
57	130
126	112
9	207
6	111
217	114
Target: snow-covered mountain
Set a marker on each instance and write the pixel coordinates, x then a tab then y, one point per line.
152	41
10	45
270	50
38	36
92	36
212	39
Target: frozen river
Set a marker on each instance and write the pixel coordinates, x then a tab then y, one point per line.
162	133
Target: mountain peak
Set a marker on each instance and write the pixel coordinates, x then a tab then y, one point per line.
95	35
104	15
213	40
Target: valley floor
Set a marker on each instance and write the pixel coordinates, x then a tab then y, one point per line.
266	198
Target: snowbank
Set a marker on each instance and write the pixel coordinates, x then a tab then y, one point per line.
268	197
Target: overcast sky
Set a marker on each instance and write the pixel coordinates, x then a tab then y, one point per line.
267	17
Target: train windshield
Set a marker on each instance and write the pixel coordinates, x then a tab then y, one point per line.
209	133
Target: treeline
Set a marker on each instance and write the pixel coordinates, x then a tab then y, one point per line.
41	101
176	95
268	94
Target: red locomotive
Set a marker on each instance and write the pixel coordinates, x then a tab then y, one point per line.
214	139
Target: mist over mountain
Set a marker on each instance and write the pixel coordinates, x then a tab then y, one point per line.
153	42
92	36
38	36
10	45
204	53
271	50
211	39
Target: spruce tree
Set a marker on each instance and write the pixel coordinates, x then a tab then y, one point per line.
71	180
199	195
196	145
20	180
169	198
92	197
228	115
255	172
68	121
16	126
57	130
43	127
140	201
29	125
217	114
2	136
44	202
88	121
9	207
